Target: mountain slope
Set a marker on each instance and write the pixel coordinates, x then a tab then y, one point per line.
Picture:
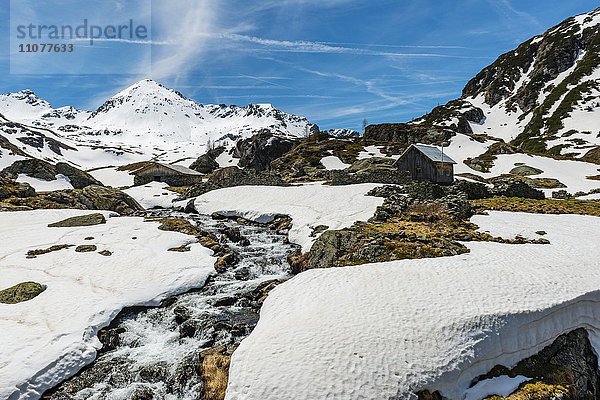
545	95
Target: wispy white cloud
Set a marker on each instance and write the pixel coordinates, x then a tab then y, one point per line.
514	19
303	46
186	25
129	41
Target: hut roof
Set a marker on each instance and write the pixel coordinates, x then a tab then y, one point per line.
431	152
177	168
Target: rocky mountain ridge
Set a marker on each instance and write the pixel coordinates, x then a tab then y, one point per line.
543	96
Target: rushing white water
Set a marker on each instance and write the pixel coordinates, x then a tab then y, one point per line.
157	351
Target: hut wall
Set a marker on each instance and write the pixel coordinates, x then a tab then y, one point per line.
159	173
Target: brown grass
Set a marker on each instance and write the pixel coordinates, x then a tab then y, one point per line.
214	370
547	206
536	391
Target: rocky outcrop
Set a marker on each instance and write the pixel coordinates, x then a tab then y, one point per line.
78	178
407	134
207	163
47	172
456	115
567	369
592	156
370	163
485	161
88	198
233	176
10	188
32	167
260	150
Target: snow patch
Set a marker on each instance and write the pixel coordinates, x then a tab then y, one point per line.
153	195
502	386
388	330
54	334
60	183
308	205
333	163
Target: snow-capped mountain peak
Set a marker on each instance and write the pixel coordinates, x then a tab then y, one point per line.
24	105
149	110
148	120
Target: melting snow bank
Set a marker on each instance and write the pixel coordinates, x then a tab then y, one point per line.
60	183
309	206
49	338
152	195
391	329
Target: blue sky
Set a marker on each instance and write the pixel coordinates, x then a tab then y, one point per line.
335	61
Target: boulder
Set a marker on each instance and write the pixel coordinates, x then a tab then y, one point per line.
82	220
258	151
225	262
86	248
103	198
207	163
509	187
525	170
23	291
372	162
10	188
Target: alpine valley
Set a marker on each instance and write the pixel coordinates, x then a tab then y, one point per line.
158	248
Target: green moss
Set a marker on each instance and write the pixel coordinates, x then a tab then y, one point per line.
21	292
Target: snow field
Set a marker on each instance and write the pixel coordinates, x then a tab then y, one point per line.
390	329
52	336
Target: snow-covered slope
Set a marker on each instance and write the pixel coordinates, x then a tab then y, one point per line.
542	85
50	337
143	121
26	107
386	331
544	96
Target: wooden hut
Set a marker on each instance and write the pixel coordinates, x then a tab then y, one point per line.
429	163
173	175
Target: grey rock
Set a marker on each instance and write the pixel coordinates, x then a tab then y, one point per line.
81	220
